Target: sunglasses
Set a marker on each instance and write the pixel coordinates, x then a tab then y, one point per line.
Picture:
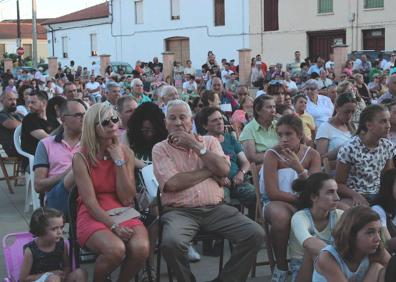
76	115
113	119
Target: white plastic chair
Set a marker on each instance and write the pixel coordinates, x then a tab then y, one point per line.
31	196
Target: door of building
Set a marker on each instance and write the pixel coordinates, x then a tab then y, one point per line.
180	46
321	42
374	39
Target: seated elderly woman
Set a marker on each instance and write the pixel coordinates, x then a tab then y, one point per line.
319	107
339	129
287	161
106	222
361	160
259	134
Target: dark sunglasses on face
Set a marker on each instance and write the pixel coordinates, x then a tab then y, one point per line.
106	122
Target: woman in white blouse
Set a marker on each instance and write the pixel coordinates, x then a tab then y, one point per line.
318	106
339	129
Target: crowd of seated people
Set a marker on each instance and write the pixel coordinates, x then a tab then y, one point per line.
94	133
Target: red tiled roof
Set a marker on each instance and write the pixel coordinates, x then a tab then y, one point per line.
8	30
94	12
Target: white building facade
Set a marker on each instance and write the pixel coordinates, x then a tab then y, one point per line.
141	29
313	26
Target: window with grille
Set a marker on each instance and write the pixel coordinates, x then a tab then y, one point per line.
64	47
325	6
371	4
138	12
2	49
175	10
219	12
94	44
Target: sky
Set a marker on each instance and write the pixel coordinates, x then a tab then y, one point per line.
45	8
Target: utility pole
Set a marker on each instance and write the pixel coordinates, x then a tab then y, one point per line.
34	35
18	40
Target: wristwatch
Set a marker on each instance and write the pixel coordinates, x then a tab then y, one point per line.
243	171
114	226
119	163
202	152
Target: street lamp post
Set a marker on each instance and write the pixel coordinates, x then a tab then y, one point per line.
34	35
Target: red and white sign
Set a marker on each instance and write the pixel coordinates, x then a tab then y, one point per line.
20	51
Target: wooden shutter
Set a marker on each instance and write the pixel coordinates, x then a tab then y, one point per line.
219	13
271	15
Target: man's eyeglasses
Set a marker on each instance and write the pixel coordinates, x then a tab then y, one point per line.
275	82
310	89
76	115
113	119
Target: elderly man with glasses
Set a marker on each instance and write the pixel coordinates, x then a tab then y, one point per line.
138	91
53	158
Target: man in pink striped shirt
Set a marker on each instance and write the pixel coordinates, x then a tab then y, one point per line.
190	170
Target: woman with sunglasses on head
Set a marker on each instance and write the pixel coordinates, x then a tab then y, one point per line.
278	90
357	253
287	161
319	107
348	86
339	129
106	223
361	160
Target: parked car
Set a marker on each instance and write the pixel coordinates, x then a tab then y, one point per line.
117	66
372	55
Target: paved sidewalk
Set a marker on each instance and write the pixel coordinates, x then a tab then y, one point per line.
14	219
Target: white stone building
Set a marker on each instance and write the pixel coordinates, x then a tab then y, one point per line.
131	30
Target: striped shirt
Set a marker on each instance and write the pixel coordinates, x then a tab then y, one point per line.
169	161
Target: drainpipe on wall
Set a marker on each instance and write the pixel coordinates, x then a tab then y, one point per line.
52	40
261	27
357	26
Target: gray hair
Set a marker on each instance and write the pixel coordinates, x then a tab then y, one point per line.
134	81
122	100
311	82
110	85
175	103
167	90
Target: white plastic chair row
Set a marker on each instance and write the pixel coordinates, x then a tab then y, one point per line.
31	196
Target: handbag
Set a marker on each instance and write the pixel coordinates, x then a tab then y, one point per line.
120	215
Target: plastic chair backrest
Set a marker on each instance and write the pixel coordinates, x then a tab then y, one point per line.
17	142
13	253
150	181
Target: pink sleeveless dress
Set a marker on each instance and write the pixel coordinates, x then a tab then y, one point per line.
103	178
